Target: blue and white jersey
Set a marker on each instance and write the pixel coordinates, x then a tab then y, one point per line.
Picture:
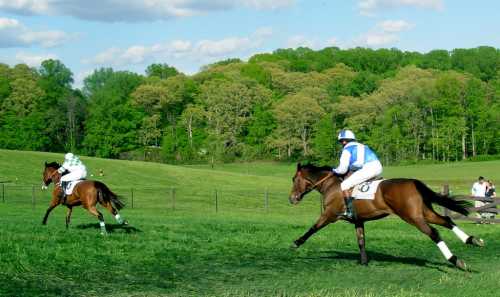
354	156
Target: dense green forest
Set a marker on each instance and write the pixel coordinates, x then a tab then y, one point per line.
286	105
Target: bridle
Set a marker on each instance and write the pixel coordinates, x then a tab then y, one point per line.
323	179
52	175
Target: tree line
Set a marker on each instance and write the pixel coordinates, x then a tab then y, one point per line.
286	105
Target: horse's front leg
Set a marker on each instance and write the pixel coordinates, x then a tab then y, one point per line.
53	203
323	220
360	234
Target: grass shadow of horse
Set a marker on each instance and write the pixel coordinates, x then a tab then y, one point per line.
379	257
110	227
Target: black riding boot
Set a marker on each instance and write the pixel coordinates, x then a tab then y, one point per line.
63	192
349	212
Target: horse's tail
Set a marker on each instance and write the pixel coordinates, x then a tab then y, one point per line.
430	196
106	195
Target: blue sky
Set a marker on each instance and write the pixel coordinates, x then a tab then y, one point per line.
187	34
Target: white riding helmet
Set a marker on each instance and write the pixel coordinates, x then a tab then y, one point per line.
346	134
69	156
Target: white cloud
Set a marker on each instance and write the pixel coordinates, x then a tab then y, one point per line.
136	54
394	26
266	4
105	57
384	33
216	48
369	7
332	42
15	34
377	39
133	10
25	7
204	51
310	42
80	77
300	41
33	60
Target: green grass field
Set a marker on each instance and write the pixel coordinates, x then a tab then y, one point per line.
241	250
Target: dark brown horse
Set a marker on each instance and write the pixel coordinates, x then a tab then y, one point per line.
410	199
86	193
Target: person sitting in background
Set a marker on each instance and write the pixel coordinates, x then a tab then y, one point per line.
491	193
479	191
490	189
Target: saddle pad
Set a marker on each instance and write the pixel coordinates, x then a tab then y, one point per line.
366	190
71	186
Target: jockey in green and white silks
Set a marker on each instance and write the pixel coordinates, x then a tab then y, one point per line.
75	167
359	159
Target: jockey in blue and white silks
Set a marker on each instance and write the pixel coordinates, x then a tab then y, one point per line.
75	167
359	159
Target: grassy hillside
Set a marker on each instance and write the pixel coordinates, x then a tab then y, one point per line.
240	251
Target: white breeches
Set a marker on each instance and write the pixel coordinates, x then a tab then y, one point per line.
74	175
369	170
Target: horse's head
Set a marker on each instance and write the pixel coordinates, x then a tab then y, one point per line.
50	173
306	179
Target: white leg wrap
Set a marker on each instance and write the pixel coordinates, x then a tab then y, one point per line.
445	250
102	224
460	234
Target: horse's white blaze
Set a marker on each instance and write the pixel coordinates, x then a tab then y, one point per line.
460	234
445	250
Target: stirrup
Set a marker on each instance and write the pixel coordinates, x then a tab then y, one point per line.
346	214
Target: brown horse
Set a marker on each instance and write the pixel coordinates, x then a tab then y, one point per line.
86	193
410	199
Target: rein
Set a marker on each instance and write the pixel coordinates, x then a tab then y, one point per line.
314	185
53	174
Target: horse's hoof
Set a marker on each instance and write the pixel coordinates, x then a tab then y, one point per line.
125	222
475	241
104	233
478	242
461	265
294	246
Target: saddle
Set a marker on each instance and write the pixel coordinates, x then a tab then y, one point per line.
366	189
69	186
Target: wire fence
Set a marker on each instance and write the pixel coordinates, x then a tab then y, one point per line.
208	200
175	199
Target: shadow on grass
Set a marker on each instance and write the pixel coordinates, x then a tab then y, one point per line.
381	257
110	227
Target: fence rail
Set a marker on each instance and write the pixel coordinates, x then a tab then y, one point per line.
487	206
171	198
215	200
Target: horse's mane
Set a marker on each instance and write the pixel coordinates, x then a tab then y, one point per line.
315	169
52	165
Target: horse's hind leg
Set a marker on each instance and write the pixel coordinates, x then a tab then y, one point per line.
93	210
115	213
68	216
360	234
434	235
434	218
